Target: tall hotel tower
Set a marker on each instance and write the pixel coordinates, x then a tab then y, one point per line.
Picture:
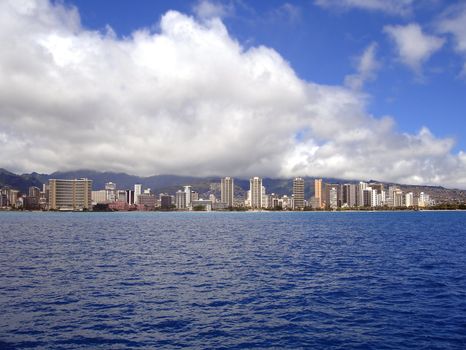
255	186
298	193
227	191
318	192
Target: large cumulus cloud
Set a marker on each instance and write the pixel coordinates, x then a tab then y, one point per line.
187	98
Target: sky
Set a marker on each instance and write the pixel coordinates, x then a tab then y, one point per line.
353	89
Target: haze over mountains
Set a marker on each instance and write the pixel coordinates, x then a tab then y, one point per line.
204	185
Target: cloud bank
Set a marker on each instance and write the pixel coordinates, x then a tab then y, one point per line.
187	99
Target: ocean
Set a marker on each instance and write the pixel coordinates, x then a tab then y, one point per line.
302	280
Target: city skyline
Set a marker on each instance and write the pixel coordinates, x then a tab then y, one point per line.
110	89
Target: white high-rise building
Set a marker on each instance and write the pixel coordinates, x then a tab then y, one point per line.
180	199
265	198
188	191
409	199
361	187
255	186
110	188
423	200
227	187
333	197
137	192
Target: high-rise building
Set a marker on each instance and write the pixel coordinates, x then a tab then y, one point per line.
227	187
318	192
188	191
298	193
361	187
137	192
180	199
409	199
397	198
348	195
333	197
326	194
165	201
70	194
423	200
110	188
255	186
130	197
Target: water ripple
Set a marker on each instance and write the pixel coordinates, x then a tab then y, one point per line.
233	280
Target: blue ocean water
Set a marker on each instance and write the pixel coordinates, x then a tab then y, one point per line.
233	280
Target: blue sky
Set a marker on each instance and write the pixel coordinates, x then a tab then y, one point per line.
322	45
353	89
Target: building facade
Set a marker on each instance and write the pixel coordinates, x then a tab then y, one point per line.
70	194
255	188
318	193
298	193
227	186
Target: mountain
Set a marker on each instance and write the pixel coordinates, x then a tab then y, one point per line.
20	182
204	185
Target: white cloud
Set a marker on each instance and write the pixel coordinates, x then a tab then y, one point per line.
413	46
188	99
453	22
366	69
206	9
393	7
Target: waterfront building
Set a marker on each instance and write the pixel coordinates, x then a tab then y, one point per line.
70	194
286	202
165	201
147	200
110	188
130	197
326	195
137	192
188	191
3	200
121	196
265	198
397	198
360	200
227	188
256	192
99	197
194	196
423	200
349	195
409	199
298	193
318	193
332	197
34	191
180	199
31	201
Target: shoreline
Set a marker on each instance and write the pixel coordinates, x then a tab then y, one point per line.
233	211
